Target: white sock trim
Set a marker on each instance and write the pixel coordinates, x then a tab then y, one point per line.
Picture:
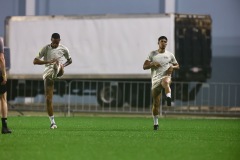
51	118
168	95
155	120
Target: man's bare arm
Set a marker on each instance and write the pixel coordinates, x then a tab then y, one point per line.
69	61
172	67
41	62
147	65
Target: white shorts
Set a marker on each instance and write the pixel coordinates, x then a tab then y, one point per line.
50	72
156	81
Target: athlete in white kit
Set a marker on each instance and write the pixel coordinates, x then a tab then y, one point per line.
162	63
54	69
3	90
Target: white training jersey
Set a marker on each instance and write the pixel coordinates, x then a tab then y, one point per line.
165	59
48	53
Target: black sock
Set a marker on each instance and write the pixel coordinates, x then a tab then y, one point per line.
4	122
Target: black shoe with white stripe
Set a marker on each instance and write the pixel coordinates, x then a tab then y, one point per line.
6	130
169	101
155	127
53	126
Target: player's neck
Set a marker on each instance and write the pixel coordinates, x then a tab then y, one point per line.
160	50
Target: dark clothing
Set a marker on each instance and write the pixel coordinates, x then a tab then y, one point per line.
3	88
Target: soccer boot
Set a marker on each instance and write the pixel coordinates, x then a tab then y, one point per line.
53	126
169	101
155	127
6	130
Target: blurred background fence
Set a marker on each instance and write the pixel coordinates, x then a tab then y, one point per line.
131	97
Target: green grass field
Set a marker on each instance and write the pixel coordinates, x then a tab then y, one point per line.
121	138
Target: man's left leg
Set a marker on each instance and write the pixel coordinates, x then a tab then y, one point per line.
156	95
166	85
49	86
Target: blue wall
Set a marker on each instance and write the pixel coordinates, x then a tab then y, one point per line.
224	13
79	7
98	6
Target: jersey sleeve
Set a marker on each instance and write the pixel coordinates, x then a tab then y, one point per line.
66	53
173	59
149	57
42	52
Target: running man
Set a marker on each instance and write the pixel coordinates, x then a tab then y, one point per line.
51	54
162	63
3	90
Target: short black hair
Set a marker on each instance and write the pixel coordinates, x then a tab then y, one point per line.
162	37
55	36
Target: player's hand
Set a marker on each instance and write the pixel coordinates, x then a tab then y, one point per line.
52	61
155	65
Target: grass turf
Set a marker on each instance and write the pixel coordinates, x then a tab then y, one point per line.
123	138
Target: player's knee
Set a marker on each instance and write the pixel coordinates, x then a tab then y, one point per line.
166	83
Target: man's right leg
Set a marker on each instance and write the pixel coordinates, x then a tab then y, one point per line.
156	94
58	70
4	110
49	86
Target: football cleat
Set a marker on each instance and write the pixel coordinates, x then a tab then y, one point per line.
155	127
53	126
169	101
6	130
